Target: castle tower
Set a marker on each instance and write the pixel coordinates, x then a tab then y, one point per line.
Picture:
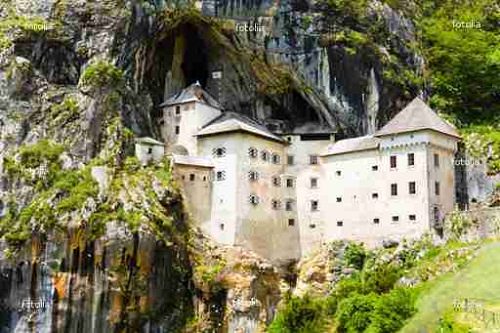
184	114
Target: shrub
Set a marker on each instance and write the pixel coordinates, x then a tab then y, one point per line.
392	310
102	74
300	315
354	313
355	255
382	277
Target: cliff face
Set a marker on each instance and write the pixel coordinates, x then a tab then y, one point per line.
105	244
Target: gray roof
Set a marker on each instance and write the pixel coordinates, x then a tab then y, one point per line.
193	93
352	145
417	116
236	122
149	141
192	160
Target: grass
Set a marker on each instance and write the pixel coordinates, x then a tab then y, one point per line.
478	280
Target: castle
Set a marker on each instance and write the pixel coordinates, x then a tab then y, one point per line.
281	193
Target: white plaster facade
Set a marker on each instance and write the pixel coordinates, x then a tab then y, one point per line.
148	150
282	195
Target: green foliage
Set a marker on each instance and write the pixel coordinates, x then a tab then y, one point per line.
300	315
482	143
32	156
102	74
382	277
354	314
392	310
464	63
355	255
457	224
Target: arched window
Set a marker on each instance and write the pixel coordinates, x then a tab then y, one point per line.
264	155
252	152
253	199
219	152
253	176
276	159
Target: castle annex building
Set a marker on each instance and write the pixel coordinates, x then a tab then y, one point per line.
283	193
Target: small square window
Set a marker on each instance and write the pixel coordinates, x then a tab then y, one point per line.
150	150
177	110
204	178
276	204
314	205
411	159
394	189
221	226
338	172
340	223
192	177
376	221
264	155
289	205
289	182
220	175
412	217
394	162
253	199
312	226
437	189
252	152
374	195
314	182
339	199
395	218
276	159
219	152
412	187
290	160
313	159
291	222
253	176
276	181
374	167
177	130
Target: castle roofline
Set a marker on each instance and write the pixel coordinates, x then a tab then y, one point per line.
149	141
192	160
236	122
368	142
416	116
192	93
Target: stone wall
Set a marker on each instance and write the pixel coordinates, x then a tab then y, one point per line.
485	223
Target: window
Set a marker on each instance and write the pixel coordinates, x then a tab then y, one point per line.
437	190
291	222
374	167
314	205
264	155
376	220
339	199
412	217
221	226
313	159
177	110
192	177
253	176
220	175
395	218
289	205
314	182
436	214
289	138
374	195
253	199
276	159
340	223
150	150
204	178
289	160
436	160
412	188
276	181
276	204
394	162
252	152
289	182
394	189
411	159
219	152
338	172
177	130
